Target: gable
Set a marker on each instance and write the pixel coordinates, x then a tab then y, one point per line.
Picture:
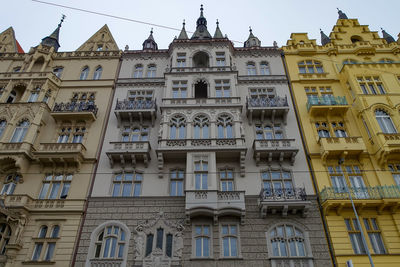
8	43
102	40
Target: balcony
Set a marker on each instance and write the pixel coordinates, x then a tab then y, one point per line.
267	108
61	153
274	150
201	102
131	110
334	147
387	147
106	262
214	203
379	197
284	201
128	153
31	75
333	105
73	110
23	148
200	69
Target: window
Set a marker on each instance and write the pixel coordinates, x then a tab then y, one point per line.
371	85
161	235
177	127
151	71
224	125
138	73
226	179
12	97
110	243
97	73
354	232
10	183
386	60
47	242
84	73
251	68
269	131
58	71
47	97
3	125
78	134
349	61
220	57
339	129
64	135
55	186
374	234
260	93
315	94
222	88
140	95
310	66
177	177
229	240
322	129
179	89
277	181
5	234
201	60
264	68
201	126
20	132
127	184
385	122
202	237
17	69
34	95
200	89
351	175
135	134
99	47
181	60
395	170
201	174
287	241
2	89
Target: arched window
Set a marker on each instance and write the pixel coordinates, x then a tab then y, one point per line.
264	68
20	132
287	241
355	39
55	231
84	73
151	71
385	122
42	242
201	60
177	128
97	73
310	66
3	125
201	127
10	183
5	234
268	131
11	98
225	124
138	73
251	68
110	243
58	71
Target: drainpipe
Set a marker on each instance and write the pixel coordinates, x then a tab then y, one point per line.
108	112
327	235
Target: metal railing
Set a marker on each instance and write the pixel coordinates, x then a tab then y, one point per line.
282	194
76	107
276	101
135	104
326	101
370	192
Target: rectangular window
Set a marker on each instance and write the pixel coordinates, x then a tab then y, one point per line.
226	180
37	251
55	186
201	174
222	88
371	85
220	57
179	89
33	96
181	60
127	184
261	93
395	170
277	182
354	232
140	95
374	234
229	240
202	238
177	177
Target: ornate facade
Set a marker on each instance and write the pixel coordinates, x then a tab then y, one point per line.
202	162
50	102
346	94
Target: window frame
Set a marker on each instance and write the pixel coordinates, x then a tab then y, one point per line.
200	171
97	73
222	88
355	236
229	236
151	71
310	66
177	127
385	121
10	183
202	236
375	235
45	243
3	127
179	89
176	177
20	131
225	180
201	127
225	127
135	183
251	68
84	73
60	181
138	71
265	68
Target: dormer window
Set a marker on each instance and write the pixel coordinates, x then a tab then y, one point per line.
99	48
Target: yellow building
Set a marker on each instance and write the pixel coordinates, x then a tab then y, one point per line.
53	111
347	97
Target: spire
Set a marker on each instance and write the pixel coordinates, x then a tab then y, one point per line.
324	39
183	34
389	39
252	41
218	33
52	39
201	28
341	14
150	43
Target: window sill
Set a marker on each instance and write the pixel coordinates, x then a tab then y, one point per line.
230	258
46	239
39	262
201	259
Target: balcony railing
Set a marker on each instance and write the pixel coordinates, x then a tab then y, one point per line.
326	101
276	101
268	194
332	147
370	192
210	101
135	104
267	108
75	107
61	153
127	153
128	110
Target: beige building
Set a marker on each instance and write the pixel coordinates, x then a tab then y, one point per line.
50	103
202	162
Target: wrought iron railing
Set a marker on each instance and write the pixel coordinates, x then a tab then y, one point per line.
135	104
276	101
76	107
282	194
326	101
370	192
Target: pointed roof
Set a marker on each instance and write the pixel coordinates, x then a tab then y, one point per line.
324	39
52	39
183	35
389	39
150	43
252	41
218	33
201	29
101	40
341	14
9	43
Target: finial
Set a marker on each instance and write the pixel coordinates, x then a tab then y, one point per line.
201	10
250	30
151	31
62	20
320	30
184	23
217	22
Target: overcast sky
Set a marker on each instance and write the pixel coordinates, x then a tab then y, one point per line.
270	20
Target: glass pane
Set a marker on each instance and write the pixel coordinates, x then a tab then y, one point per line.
137	189
173	188
225	230
65	190
98	250
300	248
198	230
160	235
197	181
279	230
206	247
106	248
292	247
56	230
128	177
37	251
54	190
206	230
180	188
116	189
275	249
226	246
121	250
44	190
168	250
233	246
149	244
204	184
127	189
198	247
282	246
